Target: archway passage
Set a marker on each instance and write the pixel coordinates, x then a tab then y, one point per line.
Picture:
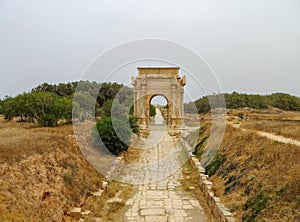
159	110
153	81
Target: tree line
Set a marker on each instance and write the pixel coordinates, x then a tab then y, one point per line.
239	100
50	104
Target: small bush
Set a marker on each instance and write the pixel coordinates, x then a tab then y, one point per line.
114	134
256	204
198	151
69	179
215	164
230	179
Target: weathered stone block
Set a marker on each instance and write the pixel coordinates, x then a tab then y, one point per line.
153	212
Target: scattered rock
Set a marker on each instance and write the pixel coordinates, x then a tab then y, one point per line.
76	213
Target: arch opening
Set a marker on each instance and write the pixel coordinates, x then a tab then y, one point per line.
158	110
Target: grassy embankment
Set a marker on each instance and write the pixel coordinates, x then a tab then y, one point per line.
255	177
43	175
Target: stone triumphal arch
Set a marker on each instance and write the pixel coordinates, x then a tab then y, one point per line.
154	81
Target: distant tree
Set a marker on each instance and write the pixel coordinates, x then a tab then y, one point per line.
237	100
8	108
62	89
46	112
118	111
1	104
285	101
44	87
202	105
108	91
46	108
65	89
105	110
90	87
152	110
190	108
86	103
62	109
101	92
133	122
125	96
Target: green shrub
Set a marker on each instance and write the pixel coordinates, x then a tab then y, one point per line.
133	122
256	204
152	110
198	151
214	165
114	134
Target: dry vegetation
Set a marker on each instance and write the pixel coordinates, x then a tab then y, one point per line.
264	114
111	206
43	175
287	129
275	121
272	120
258	179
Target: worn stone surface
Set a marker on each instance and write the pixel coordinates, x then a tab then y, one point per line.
162	200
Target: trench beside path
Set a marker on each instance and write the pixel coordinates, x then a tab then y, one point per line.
161	199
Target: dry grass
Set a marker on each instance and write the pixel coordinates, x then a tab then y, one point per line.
43	173
132	155
287	129
262	172
19	140
111	206
265	114
260	178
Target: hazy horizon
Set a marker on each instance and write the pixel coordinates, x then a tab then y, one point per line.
240	92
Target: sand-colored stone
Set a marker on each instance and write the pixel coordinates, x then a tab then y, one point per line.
166	82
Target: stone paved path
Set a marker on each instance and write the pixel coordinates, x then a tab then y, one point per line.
162	200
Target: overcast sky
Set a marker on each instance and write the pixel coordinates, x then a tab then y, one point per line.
252	46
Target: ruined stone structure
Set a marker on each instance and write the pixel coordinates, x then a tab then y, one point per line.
166	82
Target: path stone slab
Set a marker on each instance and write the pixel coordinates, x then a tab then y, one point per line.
152	212
156	218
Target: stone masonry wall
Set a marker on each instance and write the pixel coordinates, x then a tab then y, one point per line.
220	212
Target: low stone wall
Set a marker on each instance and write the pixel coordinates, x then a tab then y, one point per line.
116	167
220	212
